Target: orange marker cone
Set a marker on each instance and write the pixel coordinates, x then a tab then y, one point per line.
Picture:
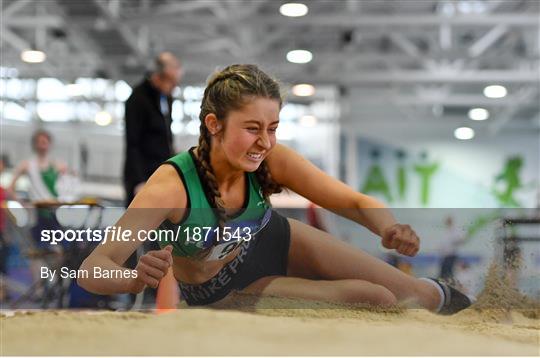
168	293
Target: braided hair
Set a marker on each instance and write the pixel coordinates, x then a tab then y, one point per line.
227	90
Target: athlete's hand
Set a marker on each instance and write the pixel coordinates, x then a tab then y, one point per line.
402	238
151	268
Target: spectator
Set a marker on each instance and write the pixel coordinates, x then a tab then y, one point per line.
148	123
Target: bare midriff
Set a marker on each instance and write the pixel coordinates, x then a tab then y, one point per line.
194	272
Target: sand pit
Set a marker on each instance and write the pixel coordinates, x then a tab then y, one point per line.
502	322
271	331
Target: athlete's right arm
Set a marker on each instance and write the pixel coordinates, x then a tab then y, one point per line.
160	199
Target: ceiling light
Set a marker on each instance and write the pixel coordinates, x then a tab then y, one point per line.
103	118
293	9
299	56
33	56
464	133
478	114
303	90
75	90
308	121
495	91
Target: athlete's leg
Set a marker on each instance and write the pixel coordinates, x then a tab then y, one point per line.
341	291
318	255
315	255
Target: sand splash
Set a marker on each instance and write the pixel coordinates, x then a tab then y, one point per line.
499	297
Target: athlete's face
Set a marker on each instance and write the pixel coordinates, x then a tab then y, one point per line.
250	133
42	144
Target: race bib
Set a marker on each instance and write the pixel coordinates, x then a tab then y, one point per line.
239	233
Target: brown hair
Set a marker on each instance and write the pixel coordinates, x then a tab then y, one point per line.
227	90
38	133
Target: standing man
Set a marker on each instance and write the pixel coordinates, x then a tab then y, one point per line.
149	139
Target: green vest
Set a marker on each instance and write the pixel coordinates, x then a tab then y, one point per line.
198	229
49	177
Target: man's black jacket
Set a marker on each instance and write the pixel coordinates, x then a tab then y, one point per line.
148	135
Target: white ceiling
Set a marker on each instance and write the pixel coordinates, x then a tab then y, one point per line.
408	62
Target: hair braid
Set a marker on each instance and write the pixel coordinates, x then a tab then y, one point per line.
268	185
206	171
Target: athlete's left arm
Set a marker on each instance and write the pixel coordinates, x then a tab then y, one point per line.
291	170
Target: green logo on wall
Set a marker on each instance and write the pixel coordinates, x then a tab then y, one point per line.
505	186
376	181
508	181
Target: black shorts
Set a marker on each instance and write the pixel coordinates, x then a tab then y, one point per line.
265	255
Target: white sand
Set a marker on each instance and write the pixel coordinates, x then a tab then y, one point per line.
316	331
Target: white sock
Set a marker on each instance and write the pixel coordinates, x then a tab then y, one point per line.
439	289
